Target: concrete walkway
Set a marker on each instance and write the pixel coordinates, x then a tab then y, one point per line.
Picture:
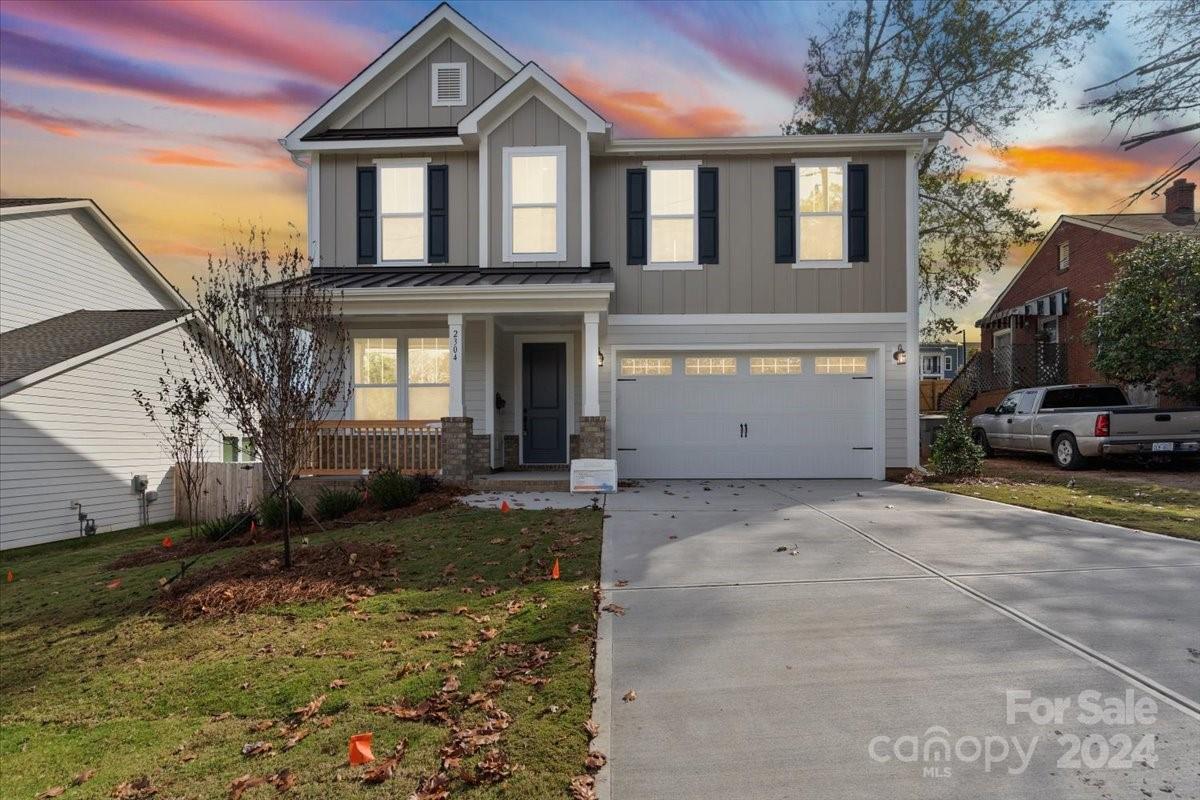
799	639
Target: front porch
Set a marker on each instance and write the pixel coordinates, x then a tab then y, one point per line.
507	378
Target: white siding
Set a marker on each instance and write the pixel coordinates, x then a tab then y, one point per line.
56	262
81	436
701	336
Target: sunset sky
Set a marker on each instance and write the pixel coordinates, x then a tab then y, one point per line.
168	113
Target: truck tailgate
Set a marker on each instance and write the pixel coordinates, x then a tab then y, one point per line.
1151	423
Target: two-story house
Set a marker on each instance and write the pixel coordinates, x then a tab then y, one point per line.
1032	335
706	307
84	321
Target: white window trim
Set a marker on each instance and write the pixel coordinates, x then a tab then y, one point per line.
947	363
844	164
381	163
461	100
560	152
1064	248
662	266
401	385
926	373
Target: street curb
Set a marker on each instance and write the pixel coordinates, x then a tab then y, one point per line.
602	699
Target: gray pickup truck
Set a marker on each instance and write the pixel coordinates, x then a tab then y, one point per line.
1077	422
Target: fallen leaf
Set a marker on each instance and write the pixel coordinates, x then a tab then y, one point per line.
312	707
251	749
451	684
261	725
338	684
53	791
593	730
629	696
428	635
296	738
613	608
595	760
136	789
387	767
115	583
583	787
489	591
83	777
239	786
487	634
622	583
283	780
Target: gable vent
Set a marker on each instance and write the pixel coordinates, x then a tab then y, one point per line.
449	85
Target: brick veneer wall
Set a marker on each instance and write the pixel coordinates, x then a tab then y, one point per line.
457	449
593	437
1090	269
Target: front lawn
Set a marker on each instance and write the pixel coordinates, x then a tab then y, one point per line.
443	631
1145	506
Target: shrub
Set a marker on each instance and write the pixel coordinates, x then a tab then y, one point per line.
333	503
220	527
389	489
428	482
953	453
270	511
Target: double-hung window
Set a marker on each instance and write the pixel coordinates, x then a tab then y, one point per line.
402	211
398	378
535	213
672	229
821	229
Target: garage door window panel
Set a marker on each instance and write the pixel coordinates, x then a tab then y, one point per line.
639	367
841	365
710	365
776	365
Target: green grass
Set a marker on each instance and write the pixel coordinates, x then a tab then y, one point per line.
96	678
1145	506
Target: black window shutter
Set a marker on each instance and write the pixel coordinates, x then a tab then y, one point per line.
366	215
635	210
856	212
707	216
439	222
785	215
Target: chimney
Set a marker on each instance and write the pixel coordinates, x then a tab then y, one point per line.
1181	197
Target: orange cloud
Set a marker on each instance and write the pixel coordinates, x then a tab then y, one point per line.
182	158
1073	160
643	113
63	124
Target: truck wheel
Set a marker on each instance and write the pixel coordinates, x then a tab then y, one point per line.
980	438
1066	452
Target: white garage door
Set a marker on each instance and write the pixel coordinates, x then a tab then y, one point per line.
746	415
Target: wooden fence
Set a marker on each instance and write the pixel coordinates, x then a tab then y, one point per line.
227	488
347	447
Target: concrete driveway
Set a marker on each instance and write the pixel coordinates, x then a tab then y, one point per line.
822	639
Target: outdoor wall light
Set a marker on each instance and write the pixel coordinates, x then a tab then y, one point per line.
900	356
600	357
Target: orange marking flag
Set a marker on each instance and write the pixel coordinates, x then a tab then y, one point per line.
360	749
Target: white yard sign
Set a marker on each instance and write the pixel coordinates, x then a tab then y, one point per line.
594	475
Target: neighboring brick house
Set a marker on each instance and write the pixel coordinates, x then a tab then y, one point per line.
1033	333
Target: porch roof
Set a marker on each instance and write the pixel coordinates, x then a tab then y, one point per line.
340	278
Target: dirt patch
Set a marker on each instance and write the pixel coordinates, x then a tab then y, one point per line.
257	578
156	554
1179	474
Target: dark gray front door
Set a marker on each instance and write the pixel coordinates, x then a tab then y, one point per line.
544	395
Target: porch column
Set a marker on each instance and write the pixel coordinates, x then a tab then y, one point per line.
591	366
455	322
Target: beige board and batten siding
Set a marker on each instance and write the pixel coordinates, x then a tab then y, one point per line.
407	103
534	124
746	278
339	205
68	251
712	338
80	436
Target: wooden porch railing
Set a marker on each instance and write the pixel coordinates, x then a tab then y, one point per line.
347	447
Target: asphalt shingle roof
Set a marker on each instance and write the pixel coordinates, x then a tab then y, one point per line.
13	202
1186	222
24	351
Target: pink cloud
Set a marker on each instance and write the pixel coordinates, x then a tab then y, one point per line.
758	54
63	124
643	113
184	158
251	33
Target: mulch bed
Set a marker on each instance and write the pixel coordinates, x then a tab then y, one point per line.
437	500
257	578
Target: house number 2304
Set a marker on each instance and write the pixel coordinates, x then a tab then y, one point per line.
454	345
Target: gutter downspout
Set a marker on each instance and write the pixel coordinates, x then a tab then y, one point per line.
313	196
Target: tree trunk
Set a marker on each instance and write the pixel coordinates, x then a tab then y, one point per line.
287	526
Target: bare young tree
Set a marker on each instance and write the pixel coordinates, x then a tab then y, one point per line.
180	411
973	69
274	346
1161	95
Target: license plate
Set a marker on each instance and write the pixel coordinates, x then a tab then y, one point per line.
1162	447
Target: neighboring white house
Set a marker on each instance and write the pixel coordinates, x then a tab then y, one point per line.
84	317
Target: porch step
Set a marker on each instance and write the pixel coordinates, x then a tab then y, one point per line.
524	481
